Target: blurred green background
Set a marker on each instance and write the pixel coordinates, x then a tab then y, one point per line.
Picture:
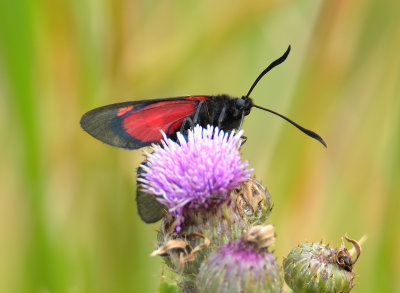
68	215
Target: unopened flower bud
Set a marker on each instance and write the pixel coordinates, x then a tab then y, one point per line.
316	267
243	265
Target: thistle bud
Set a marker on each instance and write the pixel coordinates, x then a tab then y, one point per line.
243	265
316	267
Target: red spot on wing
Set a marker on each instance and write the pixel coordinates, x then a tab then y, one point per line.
196	98
145	124
124	110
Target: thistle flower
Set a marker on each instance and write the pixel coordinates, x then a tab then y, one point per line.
316	267
196	172
244	265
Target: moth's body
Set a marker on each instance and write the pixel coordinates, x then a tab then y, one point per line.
225	111
137	124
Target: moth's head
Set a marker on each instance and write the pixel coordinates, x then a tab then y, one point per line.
241	105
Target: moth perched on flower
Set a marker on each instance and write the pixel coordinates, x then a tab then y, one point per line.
196	172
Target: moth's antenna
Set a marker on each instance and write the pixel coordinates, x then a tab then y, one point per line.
272	65
304	130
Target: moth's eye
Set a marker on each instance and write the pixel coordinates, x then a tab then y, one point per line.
240	103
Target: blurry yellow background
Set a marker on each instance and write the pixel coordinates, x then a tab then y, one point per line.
68	215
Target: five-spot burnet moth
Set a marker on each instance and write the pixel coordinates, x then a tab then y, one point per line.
136	124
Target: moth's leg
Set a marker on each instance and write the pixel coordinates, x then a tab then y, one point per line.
215	198
196	115
241	122
221	117
188	121
244	139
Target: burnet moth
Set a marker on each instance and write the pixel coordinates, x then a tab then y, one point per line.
136	124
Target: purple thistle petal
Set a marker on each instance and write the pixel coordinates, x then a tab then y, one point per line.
191	173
